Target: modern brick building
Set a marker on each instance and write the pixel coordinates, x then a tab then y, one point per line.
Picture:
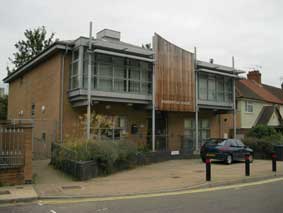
130	85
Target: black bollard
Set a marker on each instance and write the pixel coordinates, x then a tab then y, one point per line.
274	166
247	163
208	169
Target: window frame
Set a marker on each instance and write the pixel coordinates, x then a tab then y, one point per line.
249	106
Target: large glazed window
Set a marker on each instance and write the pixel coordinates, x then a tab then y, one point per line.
215	88
190	129
118	74
74	75
110	128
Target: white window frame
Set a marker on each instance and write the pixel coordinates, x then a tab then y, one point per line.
249	106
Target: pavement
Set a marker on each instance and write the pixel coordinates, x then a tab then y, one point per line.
20	193
257	197
174	175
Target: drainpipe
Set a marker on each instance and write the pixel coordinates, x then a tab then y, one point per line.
234	102
62	93
153	96
196	101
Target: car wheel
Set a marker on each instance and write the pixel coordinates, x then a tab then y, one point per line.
229	159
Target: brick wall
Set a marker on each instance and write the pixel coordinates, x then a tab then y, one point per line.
12	176
23	174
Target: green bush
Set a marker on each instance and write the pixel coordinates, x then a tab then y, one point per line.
260	146
105	153
262	131
127	152
110	156
262	139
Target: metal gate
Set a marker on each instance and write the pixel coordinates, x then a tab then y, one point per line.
44	133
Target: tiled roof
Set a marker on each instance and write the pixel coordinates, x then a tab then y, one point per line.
266	113
278	92
250	89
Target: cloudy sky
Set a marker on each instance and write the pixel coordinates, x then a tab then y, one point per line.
250	30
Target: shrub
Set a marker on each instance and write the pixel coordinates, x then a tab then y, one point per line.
110	156
262	131
127	152
105	153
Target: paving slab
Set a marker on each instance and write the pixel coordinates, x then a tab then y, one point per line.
20	193
166	176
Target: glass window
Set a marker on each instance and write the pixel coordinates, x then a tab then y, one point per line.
119	72
228	90
105	70
76	55
146	88
120	85
105	84
248	106
32	110
134	73
102	58
134	86
211	88
112	73
239	143
145	75
115	128
220	89
203	87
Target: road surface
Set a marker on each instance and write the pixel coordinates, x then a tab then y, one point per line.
259	198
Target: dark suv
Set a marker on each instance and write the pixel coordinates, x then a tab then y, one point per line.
227	150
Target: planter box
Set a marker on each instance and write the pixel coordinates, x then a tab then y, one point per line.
81	170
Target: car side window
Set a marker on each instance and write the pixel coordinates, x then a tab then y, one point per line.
229	142
234	143
239	143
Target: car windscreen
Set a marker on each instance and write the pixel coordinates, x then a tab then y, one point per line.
228	142
214	141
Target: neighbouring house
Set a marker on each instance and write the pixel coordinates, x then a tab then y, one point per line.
165	91
258	103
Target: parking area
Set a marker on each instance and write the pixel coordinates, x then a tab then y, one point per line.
165	176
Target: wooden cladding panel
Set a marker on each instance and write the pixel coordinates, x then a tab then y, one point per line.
174	77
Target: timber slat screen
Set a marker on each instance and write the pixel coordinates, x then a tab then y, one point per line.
11	147
174	77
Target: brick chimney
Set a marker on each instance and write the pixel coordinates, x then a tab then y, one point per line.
255	76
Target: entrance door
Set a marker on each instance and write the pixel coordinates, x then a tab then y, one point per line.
161	137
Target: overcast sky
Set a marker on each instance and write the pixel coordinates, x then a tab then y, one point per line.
250	30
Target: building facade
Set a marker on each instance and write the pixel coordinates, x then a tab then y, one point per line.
257	104
157	97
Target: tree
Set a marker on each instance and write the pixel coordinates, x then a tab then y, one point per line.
3	107
36	40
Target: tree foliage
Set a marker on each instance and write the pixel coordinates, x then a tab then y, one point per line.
36	40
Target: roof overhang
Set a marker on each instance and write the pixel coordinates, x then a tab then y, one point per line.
37	59
115	46
218	73
219	68
123	55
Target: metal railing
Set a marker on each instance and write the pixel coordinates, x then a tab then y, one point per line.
11	147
